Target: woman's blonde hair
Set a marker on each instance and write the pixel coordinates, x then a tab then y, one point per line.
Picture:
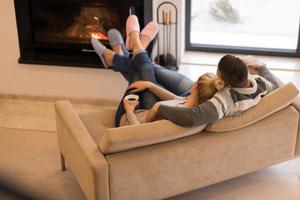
207	85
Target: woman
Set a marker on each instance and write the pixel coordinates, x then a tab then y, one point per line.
142	75
202	90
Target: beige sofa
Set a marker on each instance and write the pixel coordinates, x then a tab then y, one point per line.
111	163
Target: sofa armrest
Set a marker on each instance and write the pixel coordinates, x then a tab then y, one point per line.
296	105
82	154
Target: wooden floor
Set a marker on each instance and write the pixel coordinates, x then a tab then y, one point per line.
29	159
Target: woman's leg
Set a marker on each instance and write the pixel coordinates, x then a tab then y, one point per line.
146	73
175	82
111	58
147	99
130	74
144	68
125	66
116	60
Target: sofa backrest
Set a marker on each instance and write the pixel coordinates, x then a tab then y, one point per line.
133	136
100	124
273	102
112	140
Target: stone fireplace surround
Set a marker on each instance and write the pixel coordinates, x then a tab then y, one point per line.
36	17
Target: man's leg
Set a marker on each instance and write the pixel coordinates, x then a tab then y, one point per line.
173	81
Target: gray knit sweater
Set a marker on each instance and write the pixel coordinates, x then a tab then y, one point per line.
229	101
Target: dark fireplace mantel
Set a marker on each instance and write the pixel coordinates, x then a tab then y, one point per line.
56	32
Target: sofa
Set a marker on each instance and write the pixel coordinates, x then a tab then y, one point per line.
160	159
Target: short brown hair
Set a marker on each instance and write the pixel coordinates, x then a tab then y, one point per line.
233	71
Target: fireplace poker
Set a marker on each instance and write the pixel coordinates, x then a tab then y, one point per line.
169	38
164	34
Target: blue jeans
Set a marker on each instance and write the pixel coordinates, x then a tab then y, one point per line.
141	68
173	81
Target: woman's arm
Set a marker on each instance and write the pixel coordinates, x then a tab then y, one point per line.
131	116
160	92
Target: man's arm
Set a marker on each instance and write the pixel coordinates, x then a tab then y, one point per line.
205	113
265	72
256	66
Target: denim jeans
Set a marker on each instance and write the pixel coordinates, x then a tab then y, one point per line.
173	81
141	68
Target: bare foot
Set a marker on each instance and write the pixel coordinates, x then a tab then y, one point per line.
135	42
148	33
145	40
108	56
117	48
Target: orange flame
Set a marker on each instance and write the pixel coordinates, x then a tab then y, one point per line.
99	36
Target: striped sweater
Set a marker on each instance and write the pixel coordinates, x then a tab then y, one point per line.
228	102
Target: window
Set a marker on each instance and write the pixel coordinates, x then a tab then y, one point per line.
269	27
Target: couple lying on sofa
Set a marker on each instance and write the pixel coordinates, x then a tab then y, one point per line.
166	94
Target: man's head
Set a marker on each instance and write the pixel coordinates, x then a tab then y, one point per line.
233	71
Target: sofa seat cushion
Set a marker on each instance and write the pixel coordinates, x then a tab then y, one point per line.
97	122
269	104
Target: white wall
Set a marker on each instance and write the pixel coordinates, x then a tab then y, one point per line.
24	79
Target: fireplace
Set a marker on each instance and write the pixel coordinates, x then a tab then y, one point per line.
56	32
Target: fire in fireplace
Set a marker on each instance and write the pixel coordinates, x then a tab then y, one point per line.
58	32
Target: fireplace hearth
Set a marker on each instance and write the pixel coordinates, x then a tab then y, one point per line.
56	32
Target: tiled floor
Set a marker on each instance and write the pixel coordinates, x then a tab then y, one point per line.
194	71
212	59
29	158
278	182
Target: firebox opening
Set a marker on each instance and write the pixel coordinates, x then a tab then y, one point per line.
74	23
55	32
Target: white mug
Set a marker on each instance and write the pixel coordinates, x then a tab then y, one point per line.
131	98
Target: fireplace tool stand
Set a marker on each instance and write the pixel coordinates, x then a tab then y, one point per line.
167	18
